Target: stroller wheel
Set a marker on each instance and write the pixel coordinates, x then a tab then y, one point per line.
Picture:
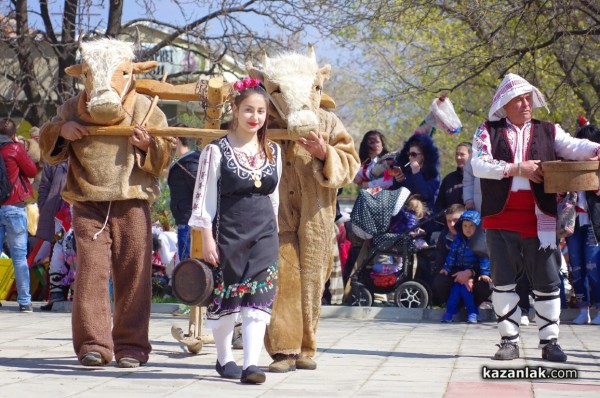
411	294
360	296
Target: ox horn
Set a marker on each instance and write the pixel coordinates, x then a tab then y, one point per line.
80	39
138	40
138	50
265	59
311	52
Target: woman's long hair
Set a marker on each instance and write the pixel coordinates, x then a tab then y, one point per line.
363	150
262	132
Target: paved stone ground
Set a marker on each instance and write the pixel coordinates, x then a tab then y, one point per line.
363	353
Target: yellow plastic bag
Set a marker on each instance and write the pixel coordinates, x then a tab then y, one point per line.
33	215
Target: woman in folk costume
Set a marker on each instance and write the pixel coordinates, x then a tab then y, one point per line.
519	217
237	197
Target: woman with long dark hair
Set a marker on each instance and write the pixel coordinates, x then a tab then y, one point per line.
372	148
419	163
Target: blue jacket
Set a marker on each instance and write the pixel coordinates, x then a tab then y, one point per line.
425	183
460	256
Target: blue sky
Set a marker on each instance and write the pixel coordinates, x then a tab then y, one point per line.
169	11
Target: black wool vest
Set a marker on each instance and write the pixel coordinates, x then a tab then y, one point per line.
539	147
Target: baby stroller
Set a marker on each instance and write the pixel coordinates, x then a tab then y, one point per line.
391	264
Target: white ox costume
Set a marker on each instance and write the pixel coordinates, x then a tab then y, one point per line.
307	193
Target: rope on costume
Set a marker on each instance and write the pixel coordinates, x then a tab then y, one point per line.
105	222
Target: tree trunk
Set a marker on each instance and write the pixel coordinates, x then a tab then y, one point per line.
115	12
33	110
67	49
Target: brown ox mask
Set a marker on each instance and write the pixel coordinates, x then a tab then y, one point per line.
108	70
294	83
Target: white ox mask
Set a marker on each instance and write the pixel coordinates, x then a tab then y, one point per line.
294	83
108	71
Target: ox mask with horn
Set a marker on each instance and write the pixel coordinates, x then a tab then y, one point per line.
108	72
296	99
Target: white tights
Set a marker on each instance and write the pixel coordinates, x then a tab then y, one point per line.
223	333
254	323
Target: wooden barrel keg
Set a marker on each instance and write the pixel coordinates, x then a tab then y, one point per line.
193	282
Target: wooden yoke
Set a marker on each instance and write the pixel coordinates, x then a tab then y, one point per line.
216	94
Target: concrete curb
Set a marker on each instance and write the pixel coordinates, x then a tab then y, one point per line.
394	314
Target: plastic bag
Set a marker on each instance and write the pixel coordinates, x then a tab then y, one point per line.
445	116
566	215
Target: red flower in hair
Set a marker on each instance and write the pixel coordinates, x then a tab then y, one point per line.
245	83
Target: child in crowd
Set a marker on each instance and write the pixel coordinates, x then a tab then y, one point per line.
408	217
461	258
447	234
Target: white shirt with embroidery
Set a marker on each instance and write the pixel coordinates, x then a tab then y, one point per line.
485	166
204	208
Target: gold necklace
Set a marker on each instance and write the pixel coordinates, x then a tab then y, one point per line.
255	173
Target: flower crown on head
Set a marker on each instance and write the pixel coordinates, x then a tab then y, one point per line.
245	83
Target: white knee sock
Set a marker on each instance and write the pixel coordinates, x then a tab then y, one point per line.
223	333
547	315
253	335
505	300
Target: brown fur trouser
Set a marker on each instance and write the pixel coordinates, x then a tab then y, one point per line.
303	272
122	251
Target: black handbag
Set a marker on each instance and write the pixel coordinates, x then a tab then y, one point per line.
193	282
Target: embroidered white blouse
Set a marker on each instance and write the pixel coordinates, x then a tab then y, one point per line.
485	166
205	204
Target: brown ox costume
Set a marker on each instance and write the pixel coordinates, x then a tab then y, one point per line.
110	184
307	196
307	192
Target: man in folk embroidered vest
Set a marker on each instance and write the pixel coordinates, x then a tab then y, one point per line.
519	217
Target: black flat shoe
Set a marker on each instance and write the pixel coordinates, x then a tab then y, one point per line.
253	375
229	371
553	352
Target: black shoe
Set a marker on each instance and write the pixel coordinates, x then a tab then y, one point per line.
229	371
253	375
25	307
552	352
508	350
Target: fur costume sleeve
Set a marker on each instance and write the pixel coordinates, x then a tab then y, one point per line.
53	147
160	152
107	168
341	162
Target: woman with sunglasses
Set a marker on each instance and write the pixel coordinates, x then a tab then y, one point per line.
419	171
419	164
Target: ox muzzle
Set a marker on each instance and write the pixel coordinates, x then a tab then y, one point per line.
300	123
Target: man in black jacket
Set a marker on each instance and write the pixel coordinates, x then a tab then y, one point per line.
181	180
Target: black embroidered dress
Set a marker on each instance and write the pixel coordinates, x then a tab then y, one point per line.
245	217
